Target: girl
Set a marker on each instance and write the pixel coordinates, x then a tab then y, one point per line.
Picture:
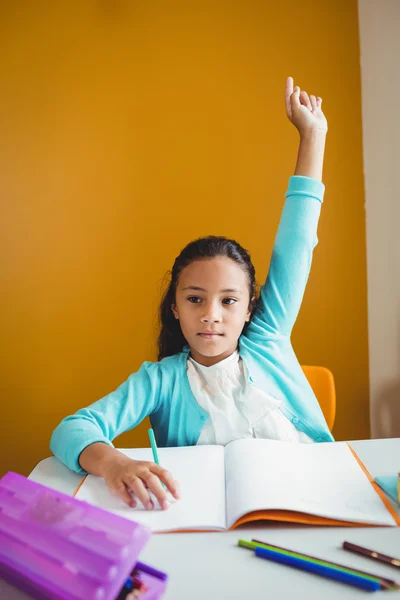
226	366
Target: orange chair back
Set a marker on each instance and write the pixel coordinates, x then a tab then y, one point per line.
323	385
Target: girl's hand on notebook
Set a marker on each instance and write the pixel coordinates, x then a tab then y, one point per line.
125	476
304	111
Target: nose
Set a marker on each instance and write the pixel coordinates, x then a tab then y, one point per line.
212	313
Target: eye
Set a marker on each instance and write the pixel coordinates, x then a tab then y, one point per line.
194	299
229	301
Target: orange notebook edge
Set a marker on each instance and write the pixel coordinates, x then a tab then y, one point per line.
377	489
79	486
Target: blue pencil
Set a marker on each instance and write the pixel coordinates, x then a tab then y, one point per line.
349	578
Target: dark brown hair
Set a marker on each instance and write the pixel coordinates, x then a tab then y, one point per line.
171	339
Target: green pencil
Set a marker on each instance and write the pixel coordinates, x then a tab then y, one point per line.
384	582
154	449
153	445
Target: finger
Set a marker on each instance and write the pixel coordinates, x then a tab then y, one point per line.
314	104
288	93
133	503
305	100
295	98
319	101
167	479
154	485
138	488
121	491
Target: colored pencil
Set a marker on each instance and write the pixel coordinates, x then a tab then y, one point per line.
151	571
384	583
389	560
153	445
253	545
389	583
324	571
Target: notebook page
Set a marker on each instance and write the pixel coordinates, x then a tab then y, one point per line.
320	479
200	472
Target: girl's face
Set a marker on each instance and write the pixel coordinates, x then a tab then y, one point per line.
212	305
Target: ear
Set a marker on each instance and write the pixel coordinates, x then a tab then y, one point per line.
251	309
175	312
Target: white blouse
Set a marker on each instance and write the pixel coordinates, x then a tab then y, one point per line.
236	408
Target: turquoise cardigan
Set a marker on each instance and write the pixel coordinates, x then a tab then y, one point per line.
161	390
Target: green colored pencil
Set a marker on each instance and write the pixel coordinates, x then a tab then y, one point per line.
384	582
153	445
154	449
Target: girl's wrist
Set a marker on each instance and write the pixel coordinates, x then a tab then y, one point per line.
310	156
313	135
111	459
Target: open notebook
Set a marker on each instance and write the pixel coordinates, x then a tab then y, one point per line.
253	479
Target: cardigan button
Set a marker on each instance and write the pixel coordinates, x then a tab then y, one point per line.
202	418
295	420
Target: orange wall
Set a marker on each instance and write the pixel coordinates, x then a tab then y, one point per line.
129	128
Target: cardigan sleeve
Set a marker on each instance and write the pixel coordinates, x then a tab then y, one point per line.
282	294
107	418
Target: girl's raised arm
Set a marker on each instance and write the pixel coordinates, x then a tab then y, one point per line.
282	294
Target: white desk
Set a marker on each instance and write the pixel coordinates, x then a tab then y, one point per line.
210	566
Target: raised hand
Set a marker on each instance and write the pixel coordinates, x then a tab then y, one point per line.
304	111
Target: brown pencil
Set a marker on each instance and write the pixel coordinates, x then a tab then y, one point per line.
389	560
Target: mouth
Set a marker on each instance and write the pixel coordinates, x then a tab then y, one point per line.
210	335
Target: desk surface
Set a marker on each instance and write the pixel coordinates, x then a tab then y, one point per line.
211	566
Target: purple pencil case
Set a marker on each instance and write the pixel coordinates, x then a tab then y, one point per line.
55	547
